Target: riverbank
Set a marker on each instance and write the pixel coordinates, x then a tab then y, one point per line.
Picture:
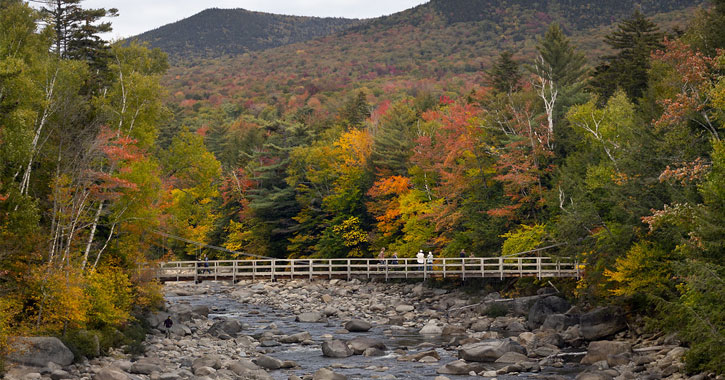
332	329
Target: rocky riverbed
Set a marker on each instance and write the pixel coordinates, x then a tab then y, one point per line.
369	330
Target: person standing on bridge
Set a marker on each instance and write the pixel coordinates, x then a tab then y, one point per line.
429	260
420	258
381	257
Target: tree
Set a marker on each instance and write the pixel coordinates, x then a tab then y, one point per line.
505	75
76	29
634	40
559	70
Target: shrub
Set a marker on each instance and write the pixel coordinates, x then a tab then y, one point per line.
83	343
496	310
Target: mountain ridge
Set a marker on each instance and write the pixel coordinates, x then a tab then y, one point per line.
217	32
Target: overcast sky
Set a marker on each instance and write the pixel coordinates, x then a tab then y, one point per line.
138	16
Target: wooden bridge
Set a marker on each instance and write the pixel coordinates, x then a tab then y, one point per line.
273	269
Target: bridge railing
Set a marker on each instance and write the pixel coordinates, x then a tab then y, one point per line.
468	267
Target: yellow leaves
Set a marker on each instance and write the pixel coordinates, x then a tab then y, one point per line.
109	293
9	308
59	298
525	238
354	148
645	268
351	232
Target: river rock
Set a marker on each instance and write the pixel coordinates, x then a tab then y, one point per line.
460	367
511	357
481	325
295	338
358	325
247	370
420	355
200	310
545	307
336	349
431	328
489	351
182	312
404	308
267	362
310	317
229	327
38	351
560	322
145	366
111	374
360	344
60	374
213	361
600	350
594	376
326	374
602	322
453	330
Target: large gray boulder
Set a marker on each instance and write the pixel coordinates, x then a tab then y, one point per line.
145	367
460	367
336	349
602	322
311	317
268	362
358	325
489	351
39	351
560	322
545	307
213	361
603	349
229	327
295	338
111	374
181	312
247	370
360	344
326	374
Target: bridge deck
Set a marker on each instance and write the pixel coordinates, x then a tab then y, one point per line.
480	267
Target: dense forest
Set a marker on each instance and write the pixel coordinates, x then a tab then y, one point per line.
214	33
612	156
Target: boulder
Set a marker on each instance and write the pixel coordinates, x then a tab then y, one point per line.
489	351
200	310
336	349
602	322
326	374
212	361
600	350
404	308
560	322
59	374
511	357
295	338
420	355
311	317
432	328
360	344
451	330
594	376
247	370
372	351
358	325
481	325
544	307
180	329
267	362
548	337
145	367
111	374
229	327
180	312
460	367
38	351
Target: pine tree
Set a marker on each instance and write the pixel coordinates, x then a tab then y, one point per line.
634	39
77	29
505	74
560	70
393	142
355	111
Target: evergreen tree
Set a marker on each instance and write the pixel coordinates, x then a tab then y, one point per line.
355	111
77	29
505	74
393	142
634	39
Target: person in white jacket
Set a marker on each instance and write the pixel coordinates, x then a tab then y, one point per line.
430	261
420	258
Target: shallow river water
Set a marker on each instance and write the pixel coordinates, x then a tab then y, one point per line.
309	358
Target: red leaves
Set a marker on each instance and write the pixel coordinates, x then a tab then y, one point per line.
686	172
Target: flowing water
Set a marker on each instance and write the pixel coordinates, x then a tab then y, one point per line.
309	358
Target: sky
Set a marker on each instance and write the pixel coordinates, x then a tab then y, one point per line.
138	16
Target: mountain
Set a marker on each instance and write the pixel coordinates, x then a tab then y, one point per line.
443	45
217	32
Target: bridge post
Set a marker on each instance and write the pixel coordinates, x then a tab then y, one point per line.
367	265
425	270
254	270
521	267
538	268
271	273
196	272
463	269
216	270
500	266
292	270
444	267
576	264
558	268
329	268
483	269
234	272
348	269
311	268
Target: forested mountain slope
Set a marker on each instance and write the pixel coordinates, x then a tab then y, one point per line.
448	43
217	32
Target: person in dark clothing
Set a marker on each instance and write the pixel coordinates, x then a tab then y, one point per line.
168	323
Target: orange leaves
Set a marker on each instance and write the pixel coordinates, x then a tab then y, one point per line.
686	172
395	185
